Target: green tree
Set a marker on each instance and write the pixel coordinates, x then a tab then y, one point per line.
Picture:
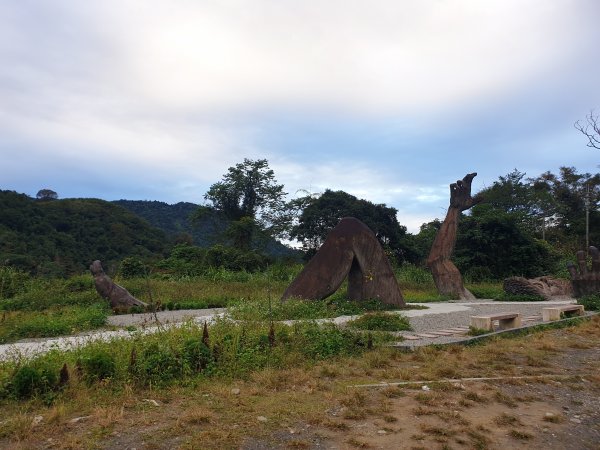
571	192
46	194
494	244
249	198
318	215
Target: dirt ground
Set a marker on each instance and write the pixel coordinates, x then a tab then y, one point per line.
542	413
326	407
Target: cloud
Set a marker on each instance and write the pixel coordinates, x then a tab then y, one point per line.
389	101
388	56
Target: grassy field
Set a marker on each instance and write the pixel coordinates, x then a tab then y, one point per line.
40	307
254	383
308	401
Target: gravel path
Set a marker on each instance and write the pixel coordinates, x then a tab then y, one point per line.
437	316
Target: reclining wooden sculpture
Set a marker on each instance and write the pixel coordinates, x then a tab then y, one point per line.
118	297
350	250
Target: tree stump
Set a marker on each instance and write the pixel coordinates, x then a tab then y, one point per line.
350	250
118	297
446	275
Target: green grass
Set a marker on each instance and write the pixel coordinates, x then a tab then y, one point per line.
485	290
180	354
590	302
381	321
504	297
44	307
293	309
15	325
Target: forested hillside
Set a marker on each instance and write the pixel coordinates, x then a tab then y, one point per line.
61	237
206	230
175	220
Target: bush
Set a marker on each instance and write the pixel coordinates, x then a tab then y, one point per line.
232	258
80	283
411	274
323	341
504	297
486	290
30	380
98	365
590	302
12	282
196	354
380	321
132	268
158	365
478	273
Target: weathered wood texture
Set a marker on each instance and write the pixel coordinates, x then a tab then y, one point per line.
118	297
584	281
350	250
546	287
446	275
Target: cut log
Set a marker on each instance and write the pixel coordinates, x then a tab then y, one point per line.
350	250
446	275
118	297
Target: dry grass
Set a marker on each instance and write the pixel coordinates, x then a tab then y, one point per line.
206	411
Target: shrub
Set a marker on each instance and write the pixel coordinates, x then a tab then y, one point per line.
30	380
323	341
196	354
98	365
132	268
486	290
158	365
12	282
504	297
412	274
590	302
381	322
80	283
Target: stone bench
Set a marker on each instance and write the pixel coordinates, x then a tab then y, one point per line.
556	312
505	321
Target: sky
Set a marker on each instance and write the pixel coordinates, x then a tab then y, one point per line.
388	100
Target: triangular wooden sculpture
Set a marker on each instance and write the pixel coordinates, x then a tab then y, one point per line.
350	250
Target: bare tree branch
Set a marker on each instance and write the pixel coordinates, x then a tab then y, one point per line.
591	130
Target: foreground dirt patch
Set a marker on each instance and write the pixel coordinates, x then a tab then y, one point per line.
319	407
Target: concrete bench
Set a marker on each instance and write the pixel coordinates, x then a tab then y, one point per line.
505	321
556	312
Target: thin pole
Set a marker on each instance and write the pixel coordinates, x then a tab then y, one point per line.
587	219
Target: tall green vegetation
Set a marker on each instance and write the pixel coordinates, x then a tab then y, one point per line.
62	237
319	214
526	226
250	200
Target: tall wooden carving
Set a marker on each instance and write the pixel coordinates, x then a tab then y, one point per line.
445	274
586	281
351	249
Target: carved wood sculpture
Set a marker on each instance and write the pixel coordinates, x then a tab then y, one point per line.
445	274
351	249
118	297
584	281
547	287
